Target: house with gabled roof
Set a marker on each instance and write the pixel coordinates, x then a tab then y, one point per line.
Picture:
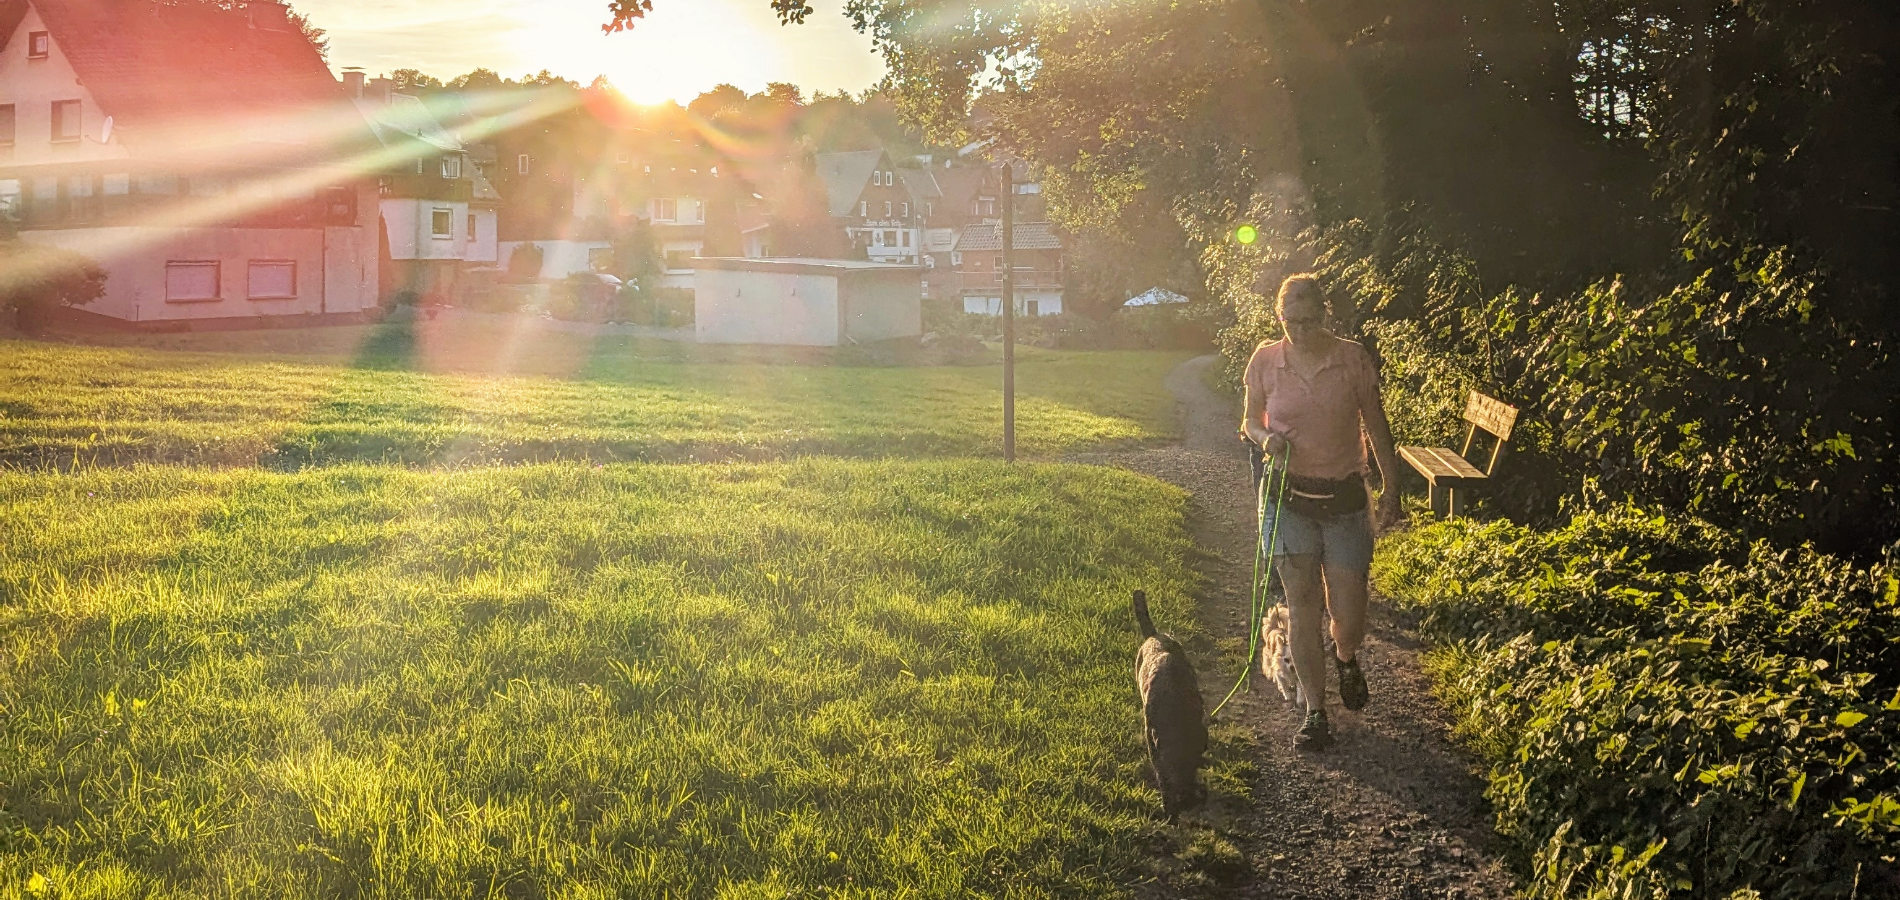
438	209
203	156
880	216
1036	261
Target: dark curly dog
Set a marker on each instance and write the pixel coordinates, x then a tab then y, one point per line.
1171	714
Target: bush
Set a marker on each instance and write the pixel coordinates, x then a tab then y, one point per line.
35	280
1667	712
1424	389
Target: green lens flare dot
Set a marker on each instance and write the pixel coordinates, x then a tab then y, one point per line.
1246	234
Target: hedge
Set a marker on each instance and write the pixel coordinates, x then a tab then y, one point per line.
1668	713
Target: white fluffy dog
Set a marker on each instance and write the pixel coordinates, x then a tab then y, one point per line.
1276	654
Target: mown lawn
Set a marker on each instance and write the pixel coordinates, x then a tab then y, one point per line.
837	678
420	395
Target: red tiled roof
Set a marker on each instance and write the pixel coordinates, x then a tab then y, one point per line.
159	65
1029	236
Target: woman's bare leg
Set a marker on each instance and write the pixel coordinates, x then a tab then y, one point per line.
1346	599
1305	604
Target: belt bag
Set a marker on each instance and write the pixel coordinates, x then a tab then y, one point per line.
1319	498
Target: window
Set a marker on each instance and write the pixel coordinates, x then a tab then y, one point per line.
887	209
418	164
190	280
442	223
451	167
12	200
273	279
600	259
45	204
521	164
1033	307
66	120
7	120
665	209
471	226
877	238
82	200
863	208
679	259
903	239
906	208
39	45
930	209
158	184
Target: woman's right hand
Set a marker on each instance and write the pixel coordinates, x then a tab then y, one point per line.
1275	445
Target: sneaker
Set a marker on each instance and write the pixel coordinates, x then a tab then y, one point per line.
1315	734
1352	684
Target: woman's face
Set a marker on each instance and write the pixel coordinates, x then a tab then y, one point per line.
1304	321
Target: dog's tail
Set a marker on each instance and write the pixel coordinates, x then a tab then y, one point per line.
1141	614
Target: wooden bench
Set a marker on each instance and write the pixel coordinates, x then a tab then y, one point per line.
1450	474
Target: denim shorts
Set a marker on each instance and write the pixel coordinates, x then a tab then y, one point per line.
1342	541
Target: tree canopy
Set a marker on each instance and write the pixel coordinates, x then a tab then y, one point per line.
1665	228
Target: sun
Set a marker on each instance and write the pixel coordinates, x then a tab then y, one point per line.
675	53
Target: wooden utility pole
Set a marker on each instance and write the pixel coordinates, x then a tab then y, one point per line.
1009	313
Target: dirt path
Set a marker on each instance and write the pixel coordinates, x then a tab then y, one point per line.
1394	810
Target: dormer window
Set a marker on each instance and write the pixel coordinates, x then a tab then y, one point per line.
39	45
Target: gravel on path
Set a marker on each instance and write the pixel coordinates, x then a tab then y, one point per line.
1394	811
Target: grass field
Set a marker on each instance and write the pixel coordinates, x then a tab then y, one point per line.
433	394
818	678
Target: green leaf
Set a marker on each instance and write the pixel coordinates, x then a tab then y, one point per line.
1849	719
1795	796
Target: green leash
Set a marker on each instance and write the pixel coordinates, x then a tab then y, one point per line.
1262	570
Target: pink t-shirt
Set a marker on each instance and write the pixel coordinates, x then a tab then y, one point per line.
1320	418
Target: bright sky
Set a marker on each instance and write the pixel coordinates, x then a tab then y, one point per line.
679	50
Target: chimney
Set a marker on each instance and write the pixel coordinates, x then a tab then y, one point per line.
268	15
353	82
381	89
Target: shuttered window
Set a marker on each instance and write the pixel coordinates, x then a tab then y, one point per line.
273	279
66	120
187	280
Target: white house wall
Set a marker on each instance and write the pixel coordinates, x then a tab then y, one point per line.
485	247
134	259
559	259
742	307
1048	303
32	85
411	229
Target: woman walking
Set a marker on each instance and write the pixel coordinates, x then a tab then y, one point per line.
1310	397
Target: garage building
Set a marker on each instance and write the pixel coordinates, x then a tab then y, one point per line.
808	302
